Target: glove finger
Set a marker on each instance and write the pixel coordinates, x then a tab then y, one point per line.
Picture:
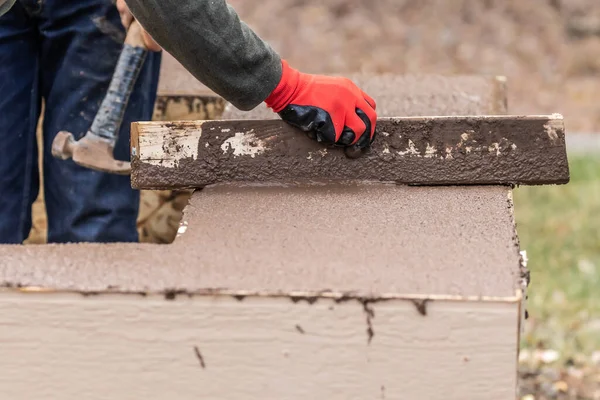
357	124
371	116
347	137
370	100
367	137
313	120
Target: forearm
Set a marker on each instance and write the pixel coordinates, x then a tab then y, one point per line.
209	40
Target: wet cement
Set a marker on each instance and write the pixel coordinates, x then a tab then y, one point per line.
417	95
422	151
368	239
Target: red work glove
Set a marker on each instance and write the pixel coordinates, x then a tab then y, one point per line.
334	109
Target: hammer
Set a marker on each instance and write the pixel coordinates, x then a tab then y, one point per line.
95	149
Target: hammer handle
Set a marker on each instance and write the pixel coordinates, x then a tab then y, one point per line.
110	115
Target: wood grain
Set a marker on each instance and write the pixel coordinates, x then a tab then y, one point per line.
428	150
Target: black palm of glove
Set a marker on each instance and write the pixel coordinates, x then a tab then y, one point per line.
332	109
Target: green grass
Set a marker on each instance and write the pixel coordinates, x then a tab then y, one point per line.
559	227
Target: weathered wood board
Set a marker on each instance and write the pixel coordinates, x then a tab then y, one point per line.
437	150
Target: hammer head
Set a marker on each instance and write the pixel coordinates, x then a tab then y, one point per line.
91	151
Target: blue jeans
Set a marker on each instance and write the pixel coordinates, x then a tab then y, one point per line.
65	52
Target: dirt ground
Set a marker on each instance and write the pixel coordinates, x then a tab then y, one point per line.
567	383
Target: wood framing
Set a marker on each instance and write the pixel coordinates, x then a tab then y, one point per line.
437	150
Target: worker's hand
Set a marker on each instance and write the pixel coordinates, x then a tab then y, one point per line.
333	109
127	18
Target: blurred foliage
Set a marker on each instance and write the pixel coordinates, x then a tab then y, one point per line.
559	227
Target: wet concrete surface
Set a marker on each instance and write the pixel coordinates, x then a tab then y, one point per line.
366	239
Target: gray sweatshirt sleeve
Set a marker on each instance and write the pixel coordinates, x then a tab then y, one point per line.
208	38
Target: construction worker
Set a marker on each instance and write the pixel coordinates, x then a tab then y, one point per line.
64	52
208	38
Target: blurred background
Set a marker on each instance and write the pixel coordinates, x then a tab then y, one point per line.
550	52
